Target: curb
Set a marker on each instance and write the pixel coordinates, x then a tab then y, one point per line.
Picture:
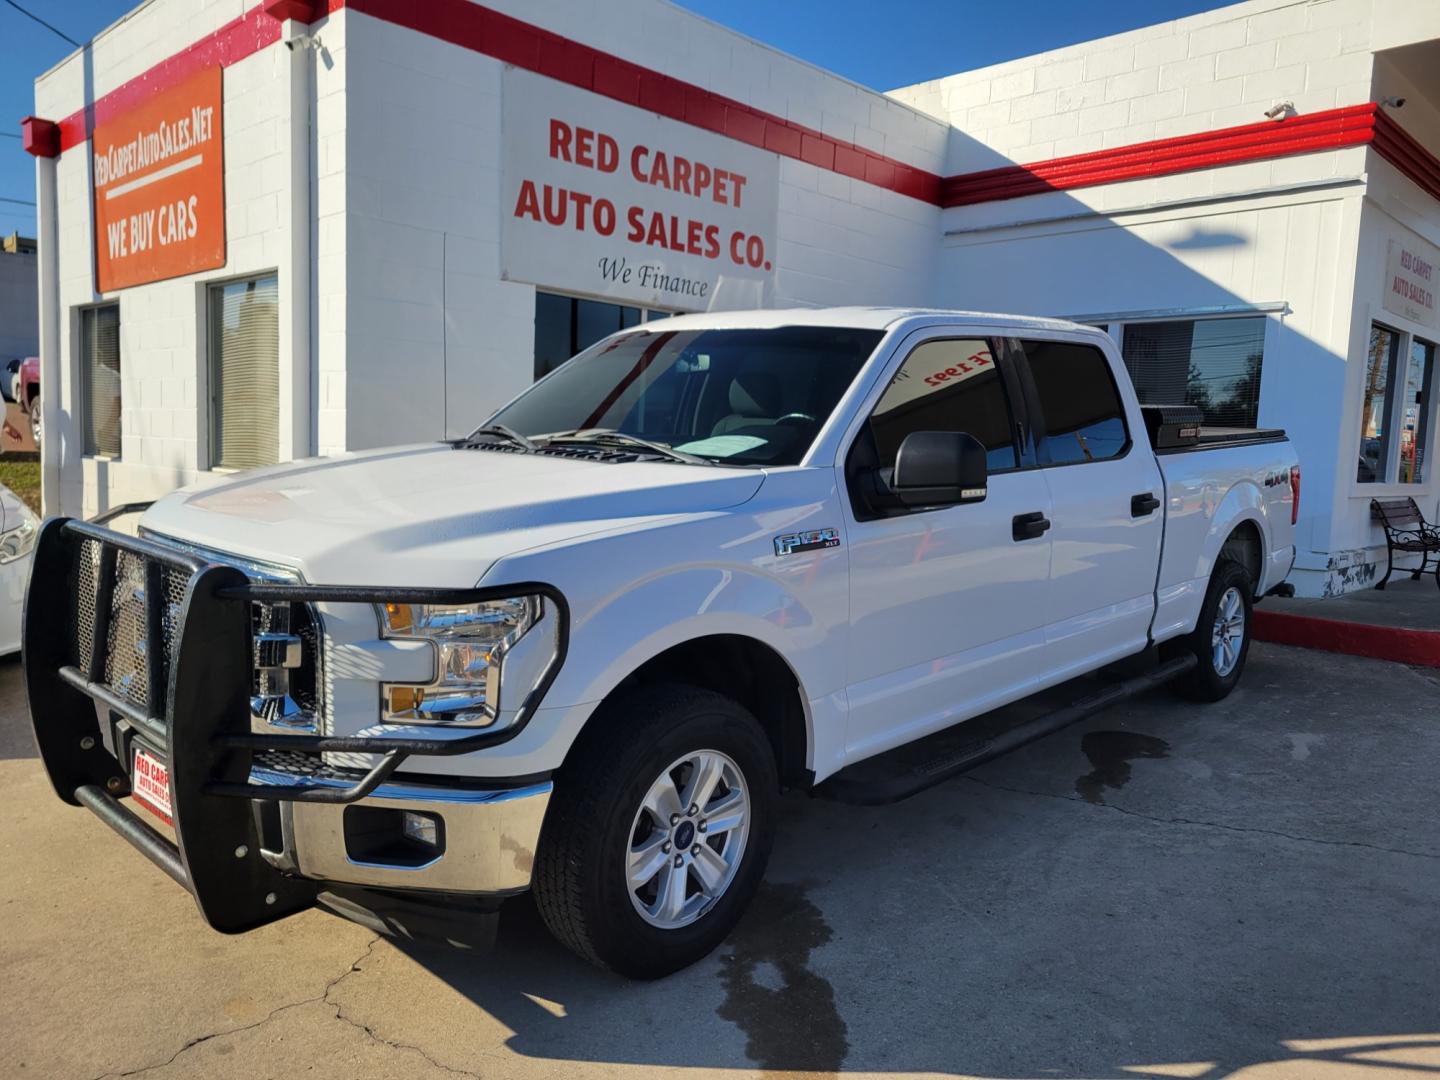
1403	646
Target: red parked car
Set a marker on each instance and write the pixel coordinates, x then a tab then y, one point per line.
29	397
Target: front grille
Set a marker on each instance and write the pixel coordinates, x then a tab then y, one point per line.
287	697
124	663
125	656
303	767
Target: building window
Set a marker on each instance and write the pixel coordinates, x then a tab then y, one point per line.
1210	363
1376	407
100	378
1083	419
245	373
566	325
1415	412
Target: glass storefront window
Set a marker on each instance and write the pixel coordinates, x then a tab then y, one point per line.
1375	407
566	325
1415	412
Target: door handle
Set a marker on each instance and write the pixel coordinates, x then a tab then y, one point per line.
1144	503
1028	526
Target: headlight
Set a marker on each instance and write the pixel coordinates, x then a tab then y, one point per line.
18	542
470	642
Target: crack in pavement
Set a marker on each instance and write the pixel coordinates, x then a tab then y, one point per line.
1201	824
271	1015
374	1036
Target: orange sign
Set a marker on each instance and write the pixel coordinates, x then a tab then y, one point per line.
160	186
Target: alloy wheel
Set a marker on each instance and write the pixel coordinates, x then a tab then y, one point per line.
687	839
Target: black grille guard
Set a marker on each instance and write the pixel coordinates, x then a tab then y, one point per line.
196	710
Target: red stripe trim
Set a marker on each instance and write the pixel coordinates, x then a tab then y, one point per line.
1420	647
1329	130
1403	150
232	42
512	41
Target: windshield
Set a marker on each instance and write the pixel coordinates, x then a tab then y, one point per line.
748	397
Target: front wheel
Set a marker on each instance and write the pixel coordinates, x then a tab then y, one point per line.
658	831
1220	641
35	421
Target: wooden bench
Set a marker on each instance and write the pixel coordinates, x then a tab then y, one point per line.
1406	530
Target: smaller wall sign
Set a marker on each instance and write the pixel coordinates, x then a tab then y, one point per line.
159	178
1412	274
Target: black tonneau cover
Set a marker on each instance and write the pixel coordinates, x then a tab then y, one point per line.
1174	429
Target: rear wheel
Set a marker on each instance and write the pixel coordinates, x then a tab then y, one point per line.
35	420
659	830
1220	641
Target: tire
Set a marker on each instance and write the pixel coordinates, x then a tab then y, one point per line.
598	814
35	420
1216	670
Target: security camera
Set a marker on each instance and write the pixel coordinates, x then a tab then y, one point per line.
1393	102
302	41
1280	111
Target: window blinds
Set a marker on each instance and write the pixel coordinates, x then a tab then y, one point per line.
100	378
1211	363
245	373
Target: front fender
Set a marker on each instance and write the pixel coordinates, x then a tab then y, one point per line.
637	591
671	608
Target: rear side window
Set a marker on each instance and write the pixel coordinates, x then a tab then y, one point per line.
1083	419
947	386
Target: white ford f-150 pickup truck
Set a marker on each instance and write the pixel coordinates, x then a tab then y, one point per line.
582	650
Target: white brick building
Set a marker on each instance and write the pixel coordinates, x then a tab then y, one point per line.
384	273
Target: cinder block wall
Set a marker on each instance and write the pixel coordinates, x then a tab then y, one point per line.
1213	70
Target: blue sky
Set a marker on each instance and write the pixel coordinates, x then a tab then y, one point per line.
883	45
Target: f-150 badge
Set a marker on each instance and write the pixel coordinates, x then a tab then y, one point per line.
810	540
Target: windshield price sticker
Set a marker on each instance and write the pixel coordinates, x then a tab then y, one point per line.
604	198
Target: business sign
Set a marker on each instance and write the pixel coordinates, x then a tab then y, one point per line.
1410	280
160	186
611	200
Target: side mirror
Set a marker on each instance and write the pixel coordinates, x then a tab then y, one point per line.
940	468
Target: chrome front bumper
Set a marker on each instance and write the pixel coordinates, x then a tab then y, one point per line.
489	836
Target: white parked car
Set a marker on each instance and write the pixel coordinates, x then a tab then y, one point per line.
582	650
18	530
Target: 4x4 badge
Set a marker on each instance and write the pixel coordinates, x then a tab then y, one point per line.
810	540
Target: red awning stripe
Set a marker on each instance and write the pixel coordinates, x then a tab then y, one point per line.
514	41
1330	130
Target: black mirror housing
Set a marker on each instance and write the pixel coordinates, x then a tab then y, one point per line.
940	468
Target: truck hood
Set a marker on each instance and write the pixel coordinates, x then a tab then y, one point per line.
431	515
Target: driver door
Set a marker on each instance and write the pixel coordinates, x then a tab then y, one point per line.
948	604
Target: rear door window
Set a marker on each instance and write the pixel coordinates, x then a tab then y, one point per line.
1081	415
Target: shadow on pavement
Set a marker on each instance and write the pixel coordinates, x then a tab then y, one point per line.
15	738
1249	909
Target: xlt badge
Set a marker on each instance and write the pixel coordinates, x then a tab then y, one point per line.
810	540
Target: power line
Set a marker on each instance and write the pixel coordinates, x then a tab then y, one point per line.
17	202
42	22
9	135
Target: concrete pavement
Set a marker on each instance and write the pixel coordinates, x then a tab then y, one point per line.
1167	890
